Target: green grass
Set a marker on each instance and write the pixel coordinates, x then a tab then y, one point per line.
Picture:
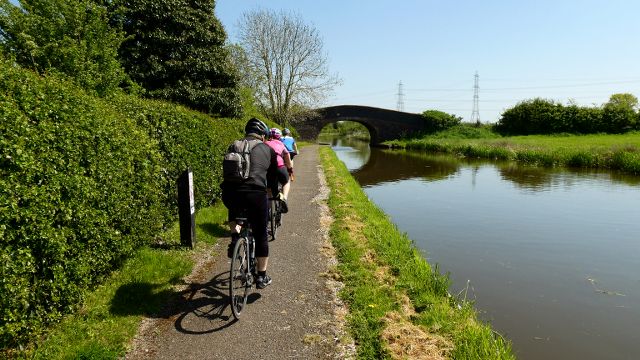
380	266
108	320
616	152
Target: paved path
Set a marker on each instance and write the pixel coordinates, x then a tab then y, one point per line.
293	318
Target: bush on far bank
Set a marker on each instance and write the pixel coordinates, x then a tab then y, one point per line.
541	116
436	120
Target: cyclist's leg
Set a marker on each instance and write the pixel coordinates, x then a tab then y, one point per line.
283	178
258	213
231	199
285	189
272	188
258	217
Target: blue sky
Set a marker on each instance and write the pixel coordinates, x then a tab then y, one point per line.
583	50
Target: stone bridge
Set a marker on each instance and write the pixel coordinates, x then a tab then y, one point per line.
382	124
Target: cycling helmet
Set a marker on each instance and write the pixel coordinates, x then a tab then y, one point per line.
255	126
286	132
275	133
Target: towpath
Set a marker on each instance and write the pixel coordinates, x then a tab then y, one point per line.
297	317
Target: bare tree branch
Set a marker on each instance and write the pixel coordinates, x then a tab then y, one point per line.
286	55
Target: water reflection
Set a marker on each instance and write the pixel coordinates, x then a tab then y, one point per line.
354	153
375	166
552	256
390	166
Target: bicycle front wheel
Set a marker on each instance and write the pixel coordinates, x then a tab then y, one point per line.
239	277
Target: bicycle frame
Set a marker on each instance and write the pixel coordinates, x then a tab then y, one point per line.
243	268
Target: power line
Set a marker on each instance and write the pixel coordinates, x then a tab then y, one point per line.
537	87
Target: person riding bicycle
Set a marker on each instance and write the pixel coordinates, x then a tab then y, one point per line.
251	195
285	167
289	142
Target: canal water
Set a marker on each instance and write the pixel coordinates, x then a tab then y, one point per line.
550	257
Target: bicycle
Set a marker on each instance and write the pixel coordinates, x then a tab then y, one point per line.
275	214
243	268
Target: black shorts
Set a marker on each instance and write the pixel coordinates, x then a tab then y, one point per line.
255	206
283	178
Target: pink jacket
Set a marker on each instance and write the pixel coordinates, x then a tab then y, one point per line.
279	148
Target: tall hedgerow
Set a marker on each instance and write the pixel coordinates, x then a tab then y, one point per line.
541	116
84	181
186	139
80	189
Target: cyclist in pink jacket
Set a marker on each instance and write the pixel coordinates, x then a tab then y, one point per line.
285	167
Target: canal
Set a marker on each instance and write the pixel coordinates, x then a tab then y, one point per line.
550	257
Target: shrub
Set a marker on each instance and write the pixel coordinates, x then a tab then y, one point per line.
539	116
185	138
80	189
436	120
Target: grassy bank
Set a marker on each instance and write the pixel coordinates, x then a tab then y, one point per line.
399	305
109	318
616	152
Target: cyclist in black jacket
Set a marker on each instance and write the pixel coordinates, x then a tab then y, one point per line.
252	196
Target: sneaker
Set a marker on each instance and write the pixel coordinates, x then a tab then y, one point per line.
263	281
284	208
232	244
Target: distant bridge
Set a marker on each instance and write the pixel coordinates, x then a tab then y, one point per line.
382	124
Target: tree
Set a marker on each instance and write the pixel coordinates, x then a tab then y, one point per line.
625	100
436	120
619	114
175	50
287	57
71	37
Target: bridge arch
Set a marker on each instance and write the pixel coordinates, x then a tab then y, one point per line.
382	124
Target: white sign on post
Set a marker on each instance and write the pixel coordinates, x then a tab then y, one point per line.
192	202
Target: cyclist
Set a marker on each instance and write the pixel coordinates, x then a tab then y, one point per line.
285	167
251	195
289	142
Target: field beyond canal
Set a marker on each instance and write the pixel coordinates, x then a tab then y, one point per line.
607	151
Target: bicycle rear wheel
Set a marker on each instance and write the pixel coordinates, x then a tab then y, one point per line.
239	277
273	218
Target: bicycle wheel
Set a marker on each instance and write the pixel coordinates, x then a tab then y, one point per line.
239	277
278	215
273	220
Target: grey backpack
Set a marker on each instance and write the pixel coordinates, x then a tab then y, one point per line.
237	160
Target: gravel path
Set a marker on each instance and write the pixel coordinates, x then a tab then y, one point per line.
298	316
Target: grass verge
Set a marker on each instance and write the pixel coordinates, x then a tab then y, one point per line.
109	318
616	152
399	306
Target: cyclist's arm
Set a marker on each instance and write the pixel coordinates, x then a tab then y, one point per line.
295	147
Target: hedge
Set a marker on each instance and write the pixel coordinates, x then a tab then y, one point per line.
540	116
186	138
83	183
